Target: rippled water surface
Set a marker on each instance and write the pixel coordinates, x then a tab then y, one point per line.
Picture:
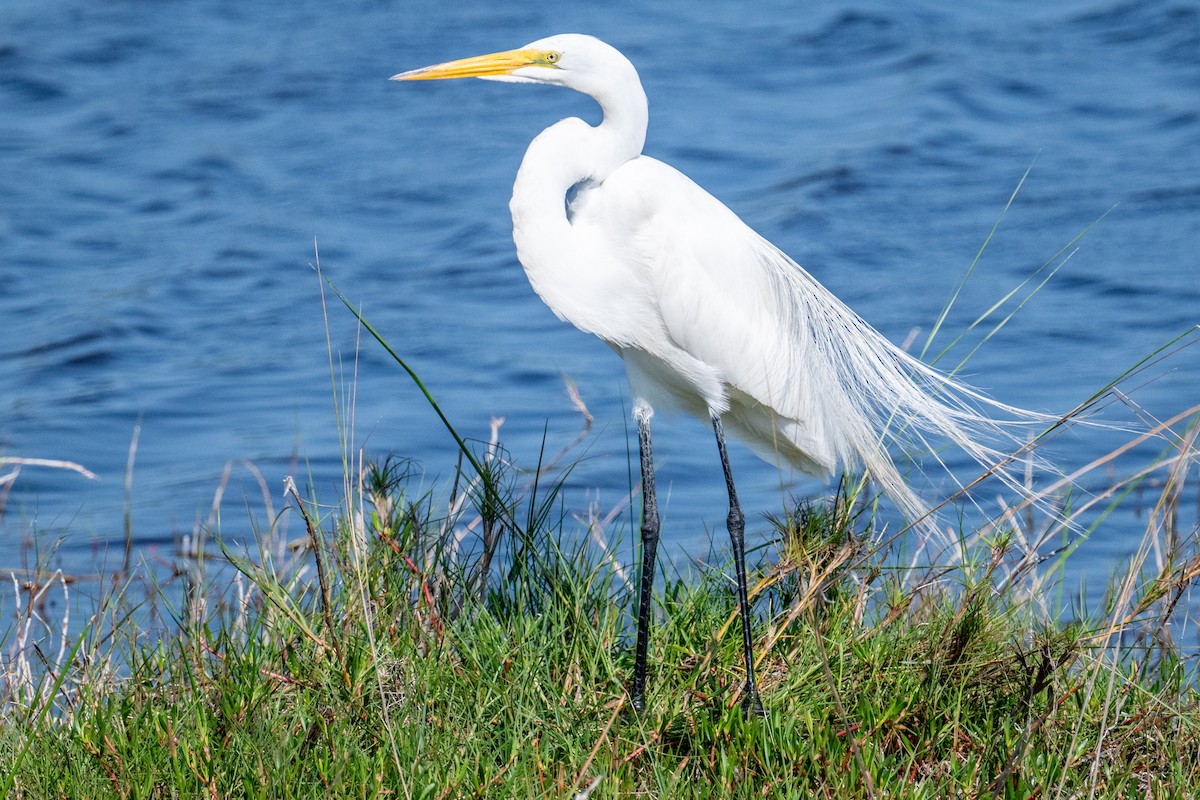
167	168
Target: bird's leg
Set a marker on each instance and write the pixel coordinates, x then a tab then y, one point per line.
649	551
736	523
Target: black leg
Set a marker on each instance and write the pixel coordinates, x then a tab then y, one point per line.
649	551
737	537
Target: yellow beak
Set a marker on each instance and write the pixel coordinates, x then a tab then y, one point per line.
478	66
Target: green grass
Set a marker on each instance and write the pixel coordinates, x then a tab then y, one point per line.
391	659
480	646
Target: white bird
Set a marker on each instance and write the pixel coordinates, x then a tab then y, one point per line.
707	315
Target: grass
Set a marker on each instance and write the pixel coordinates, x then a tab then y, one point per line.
484	651
480	646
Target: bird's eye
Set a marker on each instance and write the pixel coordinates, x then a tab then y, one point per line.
553	57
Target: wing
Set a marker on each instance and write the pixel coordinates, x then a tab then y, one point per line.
722	302
804	378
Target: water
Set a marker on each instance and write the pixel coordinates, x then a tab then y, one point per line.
165	170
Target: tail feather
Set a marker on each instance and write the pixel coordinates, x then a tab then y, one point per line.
874	396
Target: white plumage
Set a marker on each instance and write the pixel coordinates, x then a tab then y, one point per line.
706	314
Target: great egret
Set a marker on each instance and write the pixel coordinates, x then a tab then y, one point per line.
707	315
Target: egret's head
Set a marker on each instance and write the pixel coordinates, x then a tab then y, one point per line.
568	59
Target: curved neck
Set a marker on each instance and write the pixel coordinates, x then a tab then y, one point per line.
622	130
571	152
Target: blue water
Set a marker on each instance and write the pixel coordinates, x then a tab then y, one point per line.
168	170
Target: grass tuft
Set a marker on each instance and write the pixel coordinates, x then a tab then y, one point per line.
479	646
399	653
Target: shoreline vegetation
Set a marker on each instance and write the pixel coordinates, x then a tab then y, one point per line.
398	643
400	646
